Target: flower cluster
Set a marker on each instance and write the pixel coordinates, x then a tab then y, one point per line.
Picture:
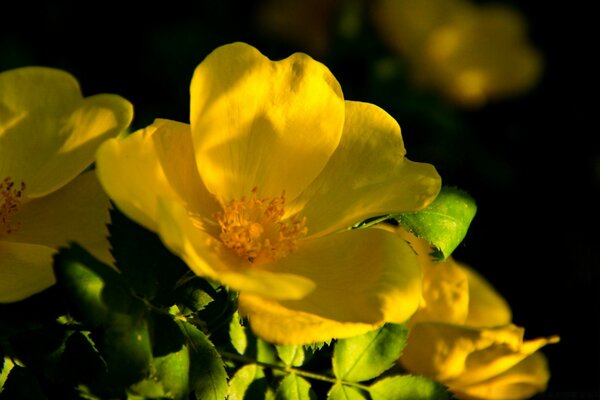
261	194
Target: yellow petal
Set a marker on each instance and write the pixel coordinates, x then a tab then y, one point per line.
365	276
486	306
46	104
460	356
446	294
274	323
25	269
259	123
367	175
522	381
151	163
76	212
209	258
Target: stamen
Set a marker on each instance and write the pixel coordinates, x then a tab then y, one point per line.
10	199
253	228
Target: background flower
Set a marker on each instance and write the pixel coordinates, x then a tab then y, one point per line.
48	136
462	335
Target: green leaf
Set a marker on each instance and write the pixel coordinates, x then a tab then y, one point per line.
207	371
344	392
145	263
365	357
126	347
169	377
408	387
84	280
237	334
6	365
293	387
248	383
291	355
444	223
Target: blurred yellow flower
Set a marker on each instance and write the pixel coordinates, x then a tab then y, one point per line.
462	336
472	53
259	190
48	136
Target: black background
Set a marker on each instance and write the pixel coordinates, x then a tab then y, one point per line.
532	162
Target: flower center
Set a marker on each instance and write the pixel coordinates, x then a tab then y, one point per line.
253	228
10	200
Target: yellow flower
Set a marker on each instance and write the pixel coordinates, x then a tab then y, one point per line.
471	53
462	336
259	190
48	136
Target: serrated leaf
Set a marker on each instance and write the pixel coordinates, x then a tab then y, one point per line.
207	371
145	263
291	355
247	383
293	387
365	357
444	223
408	387
344	392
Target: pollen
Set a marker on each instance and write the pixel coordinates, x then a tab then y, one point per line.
11	197
253	228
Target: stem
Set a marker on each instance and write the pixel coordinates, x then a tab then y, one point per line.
283	368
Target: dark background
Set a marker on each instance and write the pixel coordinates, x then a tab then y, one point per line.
531	162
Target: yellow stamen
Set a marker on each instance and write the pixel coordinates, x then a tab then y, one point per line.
10	199
253	228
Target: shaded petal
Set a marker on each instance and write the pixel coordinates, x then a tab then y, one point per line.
154	162
276	324
46	104
259	123
366	276
367	176
209	258
25	269
77	212
486	306
446	296
460	356
522	381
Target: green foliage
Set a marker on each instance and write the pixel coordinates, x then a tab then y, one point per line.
207	372
147	266
249	382
444	223
367	356
408	387
340	391
143	333
294	387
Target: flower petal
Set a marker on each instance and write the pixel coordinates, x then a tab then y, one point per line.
209	258
486	306
151	163
366	276
459	356
47	103
445	293
25	269
76	212
367	176
277	324
259	123
522	381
